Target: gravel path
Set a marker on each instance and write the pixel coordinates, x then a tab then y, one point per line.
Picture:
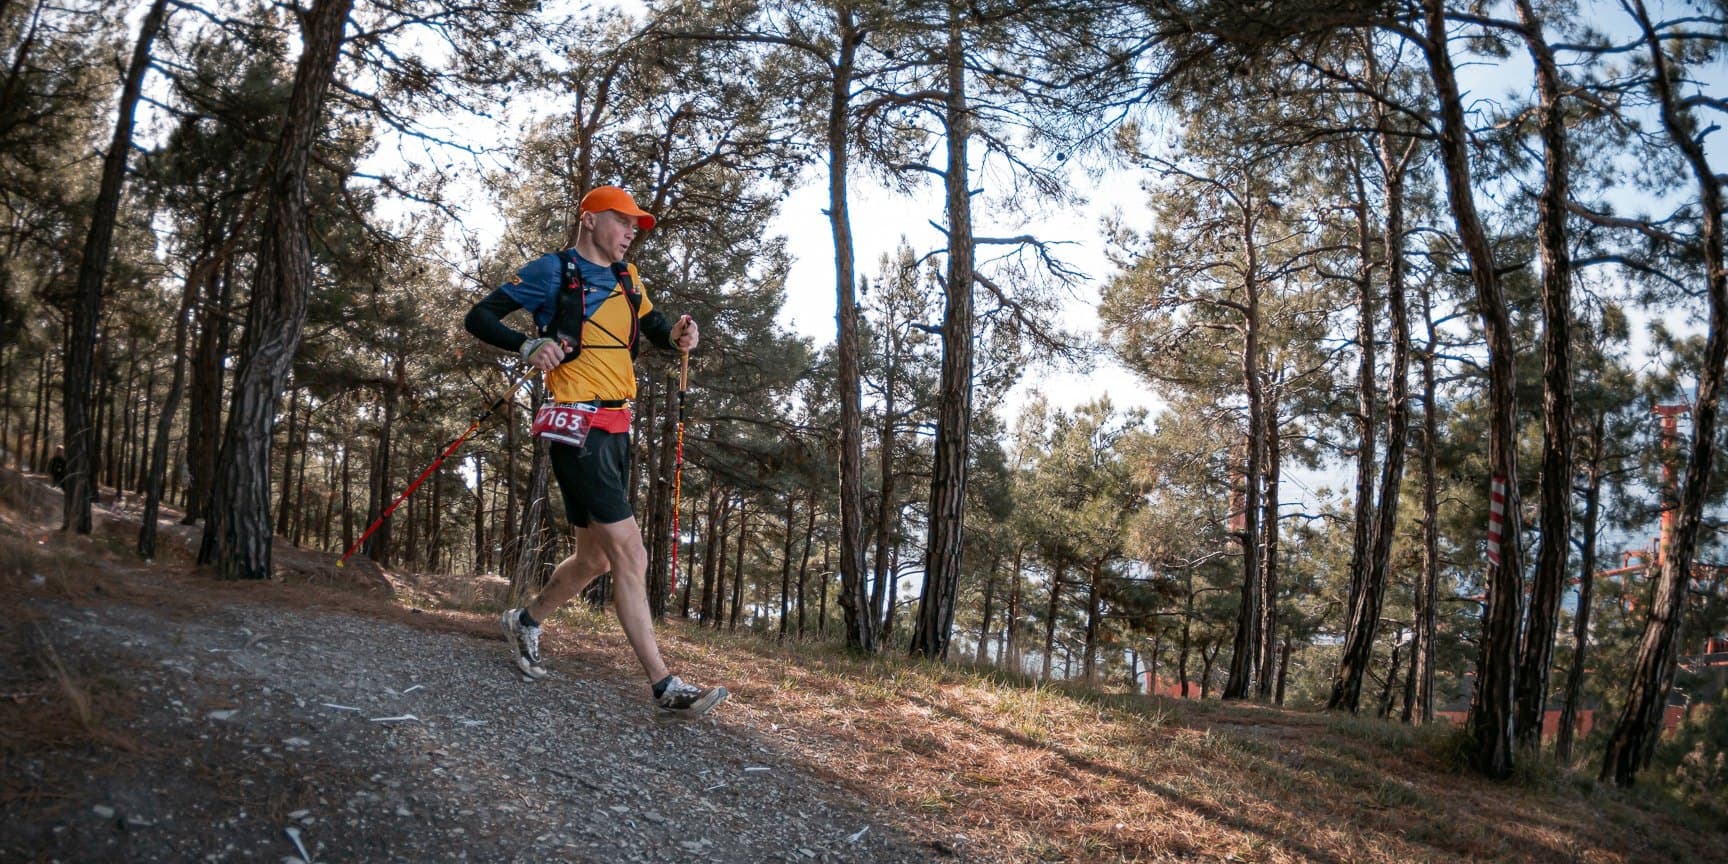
373	740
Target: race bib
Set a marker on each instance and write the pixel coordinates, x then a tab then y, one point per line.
565	424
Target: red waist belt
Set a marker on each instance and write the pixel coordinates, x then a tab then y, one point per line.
614	420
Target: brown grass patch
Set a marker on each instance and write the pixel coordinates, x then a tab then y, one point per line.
1027	773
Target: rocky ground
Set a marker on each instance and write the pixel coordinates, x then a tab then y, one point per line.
188	723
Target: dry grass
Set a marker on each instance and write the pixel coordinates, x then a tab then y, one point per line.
46	701
1051	774
1000	768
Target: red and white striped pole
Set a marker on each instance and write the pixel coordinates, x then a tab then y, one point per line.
1496	518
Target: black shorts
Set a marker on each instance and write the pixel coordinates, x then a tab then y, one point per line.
595	478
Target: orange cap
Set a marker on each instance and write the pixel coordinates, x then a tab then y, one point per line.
603	198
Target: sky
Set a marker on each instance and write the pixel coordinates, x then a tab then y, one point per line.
881	218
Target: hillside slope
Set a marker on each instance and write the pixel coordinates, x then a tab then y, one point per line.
149	713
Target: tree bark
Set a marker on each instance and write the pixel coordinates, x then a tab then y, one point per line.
944	552
87	294
237	534
661	503
804	562
1491	716
1269	550
378	546
1586	589
1050	619
887	500
983	653
786	568
1633	740
287	486
479	516
738	566
1246	642
1094	612
200	272
1536	653
204	407
1353	658
1428	587
861	635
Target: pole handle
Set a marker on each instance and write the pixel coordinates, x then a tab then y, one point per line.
684	372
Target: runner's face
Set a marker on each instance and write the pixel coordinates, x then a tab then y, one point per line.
614	232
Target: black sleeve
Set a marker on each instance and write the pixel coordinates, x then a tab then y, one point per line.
657	329
486	322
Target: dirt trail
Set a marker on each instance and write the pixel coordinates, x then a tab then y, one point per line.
222	725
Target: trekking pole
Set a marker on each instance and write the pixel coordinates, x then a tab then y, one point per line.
472	428
678	472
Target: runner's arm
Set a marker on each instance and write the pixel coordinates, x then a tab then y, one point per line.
657	329
486	322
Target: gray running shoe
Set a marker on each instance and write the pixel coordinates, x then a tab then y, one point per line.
688	700
524	643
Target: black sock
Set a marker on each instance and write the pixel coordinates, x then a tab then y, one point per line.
661	685
526	619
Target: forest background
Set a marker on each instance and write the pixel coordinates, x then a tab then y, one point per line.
224	294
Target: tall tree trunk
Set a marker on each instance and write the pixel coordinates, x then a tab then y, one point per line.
1536	653
204	406
1422	652
714	552
203	270
861	633
661	503
1491	717
1094	611
887	502
822	598
944	551
434	523
1208	656
1011	650
1586	589
87	294
893	603
1362	610
39	420
288	450
1187	632
479	516
1050	619
1640	724
804	562
786	567
1391	679
1246	641
536	536
1269	548
8	360
738	566
983	653
1283	671
1371	597
509	549
301	513
237	534
378	546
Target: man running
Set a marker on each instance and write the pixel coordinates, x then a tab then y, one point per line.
591	314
